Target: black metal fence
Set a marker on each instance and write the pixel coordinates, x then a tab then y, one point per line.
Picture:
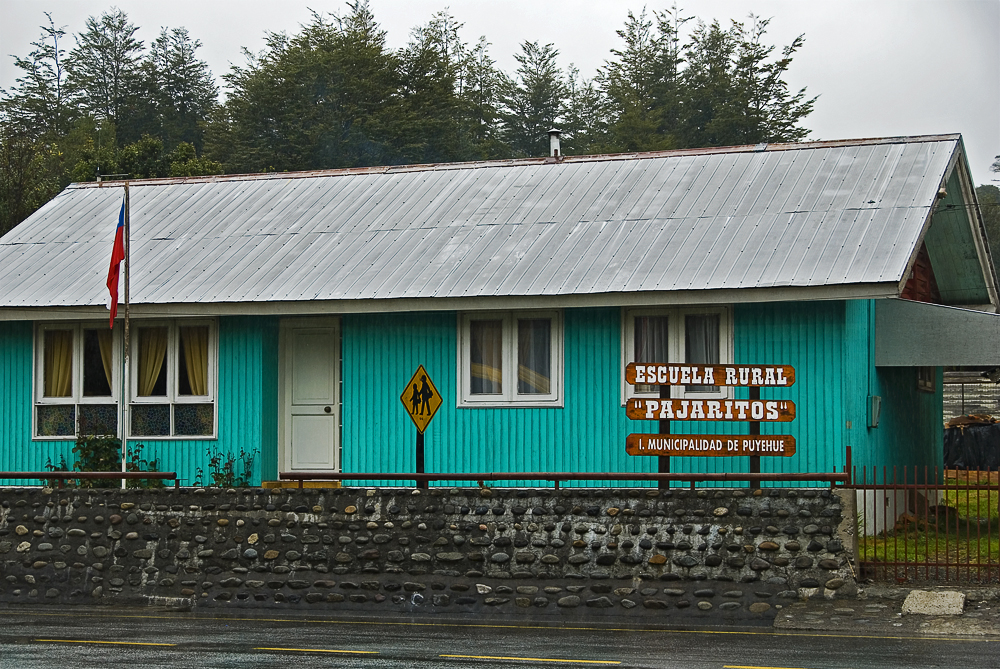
921	524
422	479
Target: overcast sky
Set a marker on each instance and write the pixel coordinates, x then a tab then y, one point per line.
880	67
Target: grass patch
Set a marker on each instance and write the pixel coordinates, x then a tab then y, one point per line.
963	529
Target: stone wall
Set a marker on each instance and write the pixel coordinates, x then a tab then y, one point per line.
661	555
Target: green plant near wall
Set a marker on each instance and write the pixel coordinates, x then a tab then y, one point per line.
96	453
137	463
226	470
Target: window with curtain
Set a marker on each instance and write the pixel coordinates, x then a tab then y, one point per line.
677	335
701	343
174	379
650	338
486	357
77	381
528	345
534	356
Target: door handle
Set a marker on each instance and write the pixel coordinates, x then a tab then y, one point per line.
327	409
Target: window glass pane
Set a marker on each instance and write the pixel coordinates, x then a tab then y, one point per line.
650	342
150	420
534	356
192	367
193	419
58	364
99	419
151	368
57	420
701	343
485	357
97	364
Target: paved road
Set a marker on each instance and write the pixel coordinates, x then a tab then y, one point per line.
33	638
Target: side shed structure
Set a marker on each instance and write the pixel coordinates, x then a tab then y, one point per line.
283	314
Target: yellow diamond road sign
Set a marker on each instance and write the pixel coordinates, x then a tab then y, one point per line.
421	398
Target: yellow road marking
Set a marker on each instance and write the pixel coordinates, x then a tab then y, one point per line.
110	643
744	666
529	659
323	650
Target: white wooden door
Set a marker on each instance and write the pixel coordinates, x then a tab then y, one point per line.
312	405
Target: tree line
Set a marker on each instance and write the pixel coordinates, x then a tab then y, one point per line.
335	95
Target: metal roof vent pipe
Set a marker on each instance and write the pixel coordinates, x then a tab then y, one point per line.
554	143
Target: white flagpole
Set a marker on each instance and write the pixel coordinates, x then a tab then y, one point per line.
126	370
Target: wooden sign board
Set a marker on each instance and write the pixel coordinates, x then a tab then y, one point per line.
710	445
660	374
421	399
765	411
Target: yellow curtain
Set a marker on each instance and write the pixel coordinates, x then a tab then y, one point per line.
58	373
195	343
152	353
486	363
104	339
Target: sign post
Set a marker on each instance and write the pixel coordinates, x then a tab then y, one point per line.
421	400
753	411
663	462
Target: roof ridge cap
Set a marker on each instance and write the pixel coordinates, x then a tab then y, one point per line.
524	162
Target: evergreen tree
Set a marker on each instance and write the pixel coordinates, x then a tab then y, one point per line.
28	175
533	101
179	90
585	121
641	84
989	204
39	104
734	92
428	126
320	99
479	87
104	70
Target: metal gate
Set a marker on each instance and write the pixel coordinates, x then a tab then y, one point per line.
920	524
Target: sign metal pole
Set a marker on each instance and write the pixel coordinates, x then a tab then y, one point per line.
754	432
420	458
663	461
421	400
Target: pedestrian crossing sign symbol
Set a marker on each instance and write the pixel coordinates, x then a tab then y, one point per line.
421	399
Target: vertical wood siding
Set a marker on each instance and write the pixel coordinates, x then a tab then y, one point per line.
910	431
808	336
588	434
381	352
826	342
19	452
247	404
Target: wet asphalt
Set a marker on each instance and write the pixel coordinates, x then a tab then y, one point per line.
92	638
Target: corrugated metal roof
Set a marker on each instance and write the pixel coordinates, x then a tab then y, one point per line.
819	214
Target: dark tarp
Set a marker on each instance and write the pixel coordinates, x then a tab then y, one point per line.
972	447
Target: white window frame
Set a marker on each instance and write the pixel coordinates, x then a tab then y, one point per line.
509	397
76	396
676	334
172	362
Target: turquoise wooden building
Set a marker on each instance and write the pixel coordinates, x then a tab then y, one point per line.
283	314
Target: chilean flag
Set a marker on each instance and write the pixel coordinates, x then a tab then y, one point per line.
117	255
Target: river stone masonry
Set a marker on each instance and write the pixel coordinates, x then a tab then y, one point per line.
661	555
